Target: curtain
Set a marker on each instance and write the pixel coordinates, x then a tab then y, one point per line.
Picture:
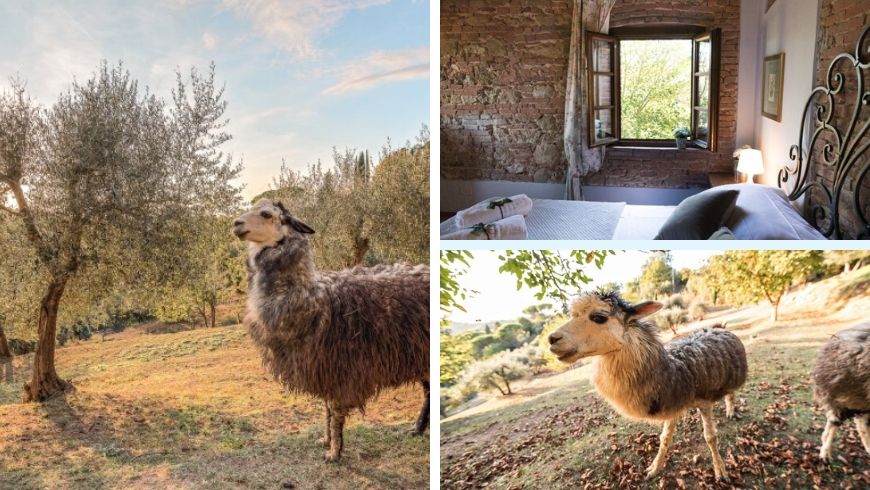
591	15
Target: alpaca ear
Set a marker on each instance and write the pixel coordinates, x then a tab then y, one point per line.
297	225
289	220
646	308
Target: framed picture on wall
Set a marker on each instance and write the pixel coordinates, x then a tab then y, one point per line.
771	86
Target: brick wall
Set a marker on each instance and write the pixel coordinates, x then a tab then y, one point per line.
503	75
503	68
841	22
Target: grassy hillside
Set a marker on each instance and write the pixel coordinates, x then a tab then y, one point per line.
556	432
193	409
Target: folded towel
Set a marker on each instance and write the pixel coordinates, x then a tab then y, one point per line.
493	210
510	228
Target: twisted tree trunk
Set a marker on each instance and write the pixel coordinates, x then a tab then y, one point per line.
4	344
45	382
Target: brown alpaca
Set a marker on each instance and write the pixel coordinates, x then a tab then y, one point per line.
842	377
340	336
645	380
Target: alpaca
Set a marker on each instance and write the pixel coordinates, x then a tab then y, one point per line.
340	336
645	380
842	377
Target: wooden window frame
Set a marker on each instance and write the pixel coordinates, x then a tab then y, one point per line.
695	34
714	36
614	107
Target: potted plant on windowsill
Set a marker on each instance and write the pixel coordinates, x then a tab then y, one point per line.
682	135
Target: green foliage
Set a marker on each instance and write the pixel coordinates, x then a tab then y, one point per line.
745	276
455	355
657	278
480	343
682	132
499	371
671	318
846	260
454	263
215	274
674	301
656	87
363	216
103	192
554	276
398	220
698	309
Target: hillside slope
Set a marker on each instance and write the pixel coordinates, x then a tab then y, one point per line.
556	432
193	409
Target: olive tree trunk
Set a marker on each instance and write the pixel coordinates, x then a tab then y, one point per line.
360	249
4	345
45	382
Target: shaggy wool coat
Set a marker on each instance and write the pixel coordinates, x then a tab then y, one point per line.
650	381
842	373
341	336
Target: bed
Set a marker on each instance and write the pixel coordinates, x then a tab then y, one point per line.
760	213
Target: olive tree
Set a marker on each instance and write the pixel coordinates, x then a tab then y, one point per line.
398	219
756	275
107	183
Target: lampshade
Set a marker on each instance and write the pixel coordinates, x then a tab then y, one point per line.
750	162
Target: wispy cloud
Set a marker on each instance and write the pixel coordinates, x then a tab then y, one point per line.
381	67
293	26
209	40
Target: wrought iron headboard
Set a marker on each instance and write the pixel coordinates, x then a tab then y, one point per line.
840	152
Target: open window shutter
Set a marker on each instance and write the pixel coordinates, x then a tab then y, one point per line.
705	89
602	61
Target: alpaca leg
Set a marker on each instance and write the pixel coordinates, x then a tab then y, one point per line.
664	446
861	423
828	435
713	443
729	406
336	436
423	419
325	439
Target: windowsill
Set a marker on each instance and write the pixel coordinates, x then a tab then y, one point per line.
655	148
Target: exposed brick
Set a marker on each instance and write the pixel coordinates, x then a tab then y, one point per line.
497	55
841	23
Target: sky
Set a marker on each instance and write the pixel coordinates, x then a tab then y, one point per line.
301	76
497	297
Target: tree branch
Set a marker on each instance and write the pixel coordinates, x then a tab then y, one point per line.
26	216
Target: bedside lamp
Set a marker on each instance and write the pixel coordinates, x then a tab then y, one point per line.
750	163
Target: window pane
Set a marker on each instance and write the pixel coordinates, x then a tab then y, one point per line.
702	126
656	88
704	56
603	90
703	90
603	124
601	54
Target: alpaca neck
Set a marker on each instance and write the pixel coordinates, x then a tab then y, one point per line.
282	288
631	377
285	264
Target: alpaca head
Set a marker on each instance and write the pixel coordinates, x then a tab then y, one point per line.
598	325
267	223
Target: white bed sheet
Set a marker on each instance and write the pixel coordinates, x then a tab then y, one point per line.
641	222
565	220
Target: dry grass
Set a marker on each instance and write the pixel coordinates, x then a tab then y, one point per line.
193	409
